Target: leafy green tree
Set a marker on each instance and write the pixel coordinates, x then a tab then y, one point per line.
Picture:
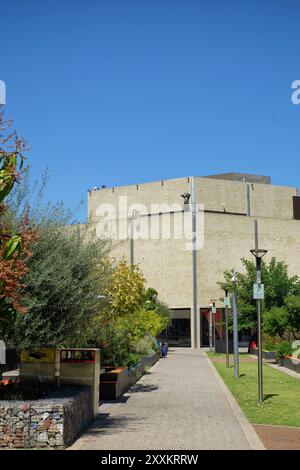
278	286
275	321
284	321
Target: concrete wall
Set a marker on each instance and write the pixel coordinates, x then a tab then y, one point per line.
228	233
229	238
266	200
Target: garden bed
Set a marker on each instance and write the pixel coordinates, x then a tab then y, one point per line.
116	380
267	355
291	363
52	422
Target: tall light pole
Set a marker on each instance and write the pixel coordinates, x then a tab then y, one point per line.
258	295
210	329
196	332
214	312
235	327
226	303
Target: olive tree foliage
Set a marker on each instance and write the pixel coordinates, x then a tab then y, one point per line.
279	285
68	271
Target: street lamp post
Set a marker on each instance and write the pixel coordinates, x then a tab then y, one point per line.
226	303
214	312
210	329
235	327
258	295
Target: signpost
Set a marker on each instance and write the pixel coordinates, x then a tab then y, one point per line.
258	295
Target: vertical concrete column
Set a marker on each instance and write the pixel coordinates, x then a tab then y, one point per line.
193	343
195	319
198	329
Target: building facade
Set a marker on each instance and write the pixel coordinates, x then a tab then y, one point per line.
151	225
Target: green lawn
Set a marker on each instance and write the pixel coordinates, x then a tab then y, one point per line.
281	392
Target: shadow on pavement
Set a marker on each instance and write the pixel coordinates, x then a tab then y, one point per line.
142	388
106	424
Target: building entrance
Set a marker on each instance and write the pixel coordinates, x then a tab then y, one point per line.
179	331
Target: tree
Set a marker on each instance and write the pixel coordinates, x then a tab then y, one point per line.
280	321
127	326
278	286
127	292
275	321
67	272
14	245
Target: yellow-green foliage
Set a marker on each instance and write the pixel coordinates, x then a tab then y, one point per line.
126	292
143	322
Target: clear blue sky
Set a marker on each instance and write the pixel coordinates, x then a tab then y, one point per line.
124	91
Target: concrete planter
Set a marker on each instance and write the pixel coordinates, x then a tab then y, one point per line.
291	363
52	423
149	361
280	361
116	380
221	347
267	355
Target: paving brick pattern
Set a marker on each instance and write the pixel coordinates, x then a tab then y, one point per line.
279	437
178	405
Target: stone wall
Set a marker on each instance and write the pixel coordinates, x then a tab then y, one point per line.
53	422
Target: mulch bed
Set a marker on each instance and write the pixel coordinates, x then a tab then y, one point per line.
279	437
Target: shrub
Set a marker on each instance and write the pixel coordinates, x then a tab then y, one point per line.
61	289
285	349
132	359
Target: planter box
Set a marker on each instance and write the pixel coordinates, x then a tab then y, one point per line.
291	363
115	381
221	347
267	355
149	361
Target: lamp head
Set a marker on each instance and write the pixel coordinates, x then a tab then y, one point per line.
259	254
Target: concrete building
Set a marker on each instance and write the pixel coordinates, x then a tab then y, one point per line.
138	218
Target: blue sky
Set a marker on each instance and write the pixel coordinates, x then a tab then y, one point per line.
125	91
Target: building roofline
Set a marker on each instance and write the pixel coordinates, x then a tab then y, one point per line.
231	177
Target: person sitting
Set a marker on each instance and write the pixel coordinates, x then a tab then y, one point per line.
164	350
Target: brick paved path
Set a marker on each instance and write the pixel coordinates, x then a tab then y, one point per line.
180	404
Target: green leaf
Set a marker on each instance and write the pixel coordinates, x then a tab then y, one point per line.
13	245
